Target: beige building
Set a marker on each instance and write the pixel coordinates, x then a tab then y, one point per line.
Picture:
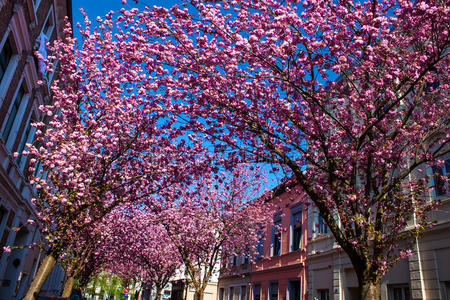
424	275
236	285
180	289
25	26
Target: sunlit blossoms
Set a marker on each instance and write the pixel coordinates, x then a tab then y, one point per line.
348	98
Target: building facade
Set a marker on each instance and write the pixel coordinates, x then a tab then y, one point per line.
181	290
25	27
279	270
321	270
424	275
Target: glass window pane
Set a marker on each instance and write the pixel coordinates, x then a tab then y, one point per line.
5	57
439	183
276	238
322	227
273	291
13	114
294	290
257	292
23	142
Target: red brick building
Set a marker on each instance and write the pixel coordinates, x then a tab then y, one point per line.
279	271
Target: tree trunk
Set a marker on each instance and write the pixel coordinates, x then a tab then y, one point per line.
198	295
158	294
42	274
370	290
68	287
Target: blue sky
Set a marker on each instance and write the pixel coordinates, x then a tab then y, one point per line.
96	8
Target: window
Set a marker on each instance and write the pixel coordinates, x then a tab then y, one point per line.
27	137
3	213
244	257
36	4
440	183
231	293
234	260
273	291
432	86
294	290
321	225
43	38
399	292
49	25
221	292
276	237
296	229
323	294
13	114
243	292
257	292
5	57
5	234
260	247
446	287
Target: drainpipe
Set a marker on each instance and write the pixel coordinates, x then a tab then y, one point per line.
341	290
419	256
35	238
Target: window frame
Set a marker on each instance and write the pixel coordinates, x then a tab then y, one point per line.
256	290
27	138
270	293
321	228
290	289
15	123
4	63
276	237
404	288
295	210
50	17
243	295
36	5
234	260
444	170
260	246
327	294
230	293
47	31
10	37
14	110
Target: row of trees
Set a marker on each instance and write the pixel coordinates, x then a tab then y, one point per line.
210	222
348	98
149	243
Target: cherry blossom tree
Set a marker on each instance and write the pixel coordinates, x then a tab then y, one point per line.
83	257
216	218
104	141
138	247
349	98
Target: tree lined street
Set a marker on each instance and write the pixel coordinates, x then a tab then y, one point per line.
169	128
